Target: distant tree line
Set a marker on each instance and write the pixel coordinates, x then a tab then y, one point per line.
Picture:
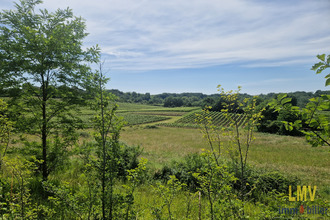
299	98
165	99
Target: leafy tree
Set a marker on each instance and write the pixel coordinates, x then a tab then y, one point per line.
208	102
173	102
107	129
223	102
167	193
5	130
240	140
147	96
271	121
312	122
215	182
322	65
45	49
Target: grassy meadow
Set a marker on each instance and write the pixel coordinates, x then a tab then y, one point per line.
162	144
290	155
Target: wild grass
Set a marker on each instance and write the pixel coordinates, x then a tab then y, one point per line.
290	155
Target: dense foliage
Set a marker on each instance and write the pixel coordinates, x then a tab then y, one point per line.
263	181
271	122
43	52
311	120
199	99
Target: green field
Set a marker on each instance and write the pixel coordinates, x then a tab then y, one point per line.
218	119
173	138
136	114
290	155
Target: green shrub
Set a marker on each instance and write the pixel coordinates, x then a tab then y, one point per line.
259	182
183	170
150	127
262	182
128	159
271	121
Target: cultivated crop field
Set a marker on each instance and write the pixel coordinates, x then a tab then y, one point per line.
136	119
137	114
173	138
217	118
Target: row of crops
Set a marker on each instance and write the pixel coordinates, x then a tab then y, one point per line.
133	107
135	114
135	119
129	118
217	118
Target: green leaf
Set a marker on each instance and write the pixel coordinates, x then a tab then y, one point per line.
286	100
321	57
313	99
320	69
282	96
297	124
325	97
327	82
324	106
316	66
313	123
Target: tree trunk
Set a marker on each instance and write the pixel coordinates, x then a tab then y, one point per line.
44	135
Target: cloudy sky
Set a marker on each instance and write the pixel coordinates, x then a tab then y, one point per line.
193	45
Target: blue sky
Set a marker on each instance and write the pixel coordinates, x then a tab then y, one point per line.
193	45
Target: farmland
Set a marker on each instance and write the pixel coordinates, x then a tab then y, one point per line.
179	136
137	114
167	136
172	138
218	119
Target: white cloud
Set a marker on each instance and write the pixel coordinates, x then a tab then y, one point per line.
157	34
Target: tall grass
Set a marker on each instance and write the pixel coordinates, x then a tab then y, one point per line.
290	155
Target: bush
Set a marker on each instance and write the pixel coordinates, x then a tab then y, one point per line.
128	159
150	127
271	121
183	170
273	180
260	182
